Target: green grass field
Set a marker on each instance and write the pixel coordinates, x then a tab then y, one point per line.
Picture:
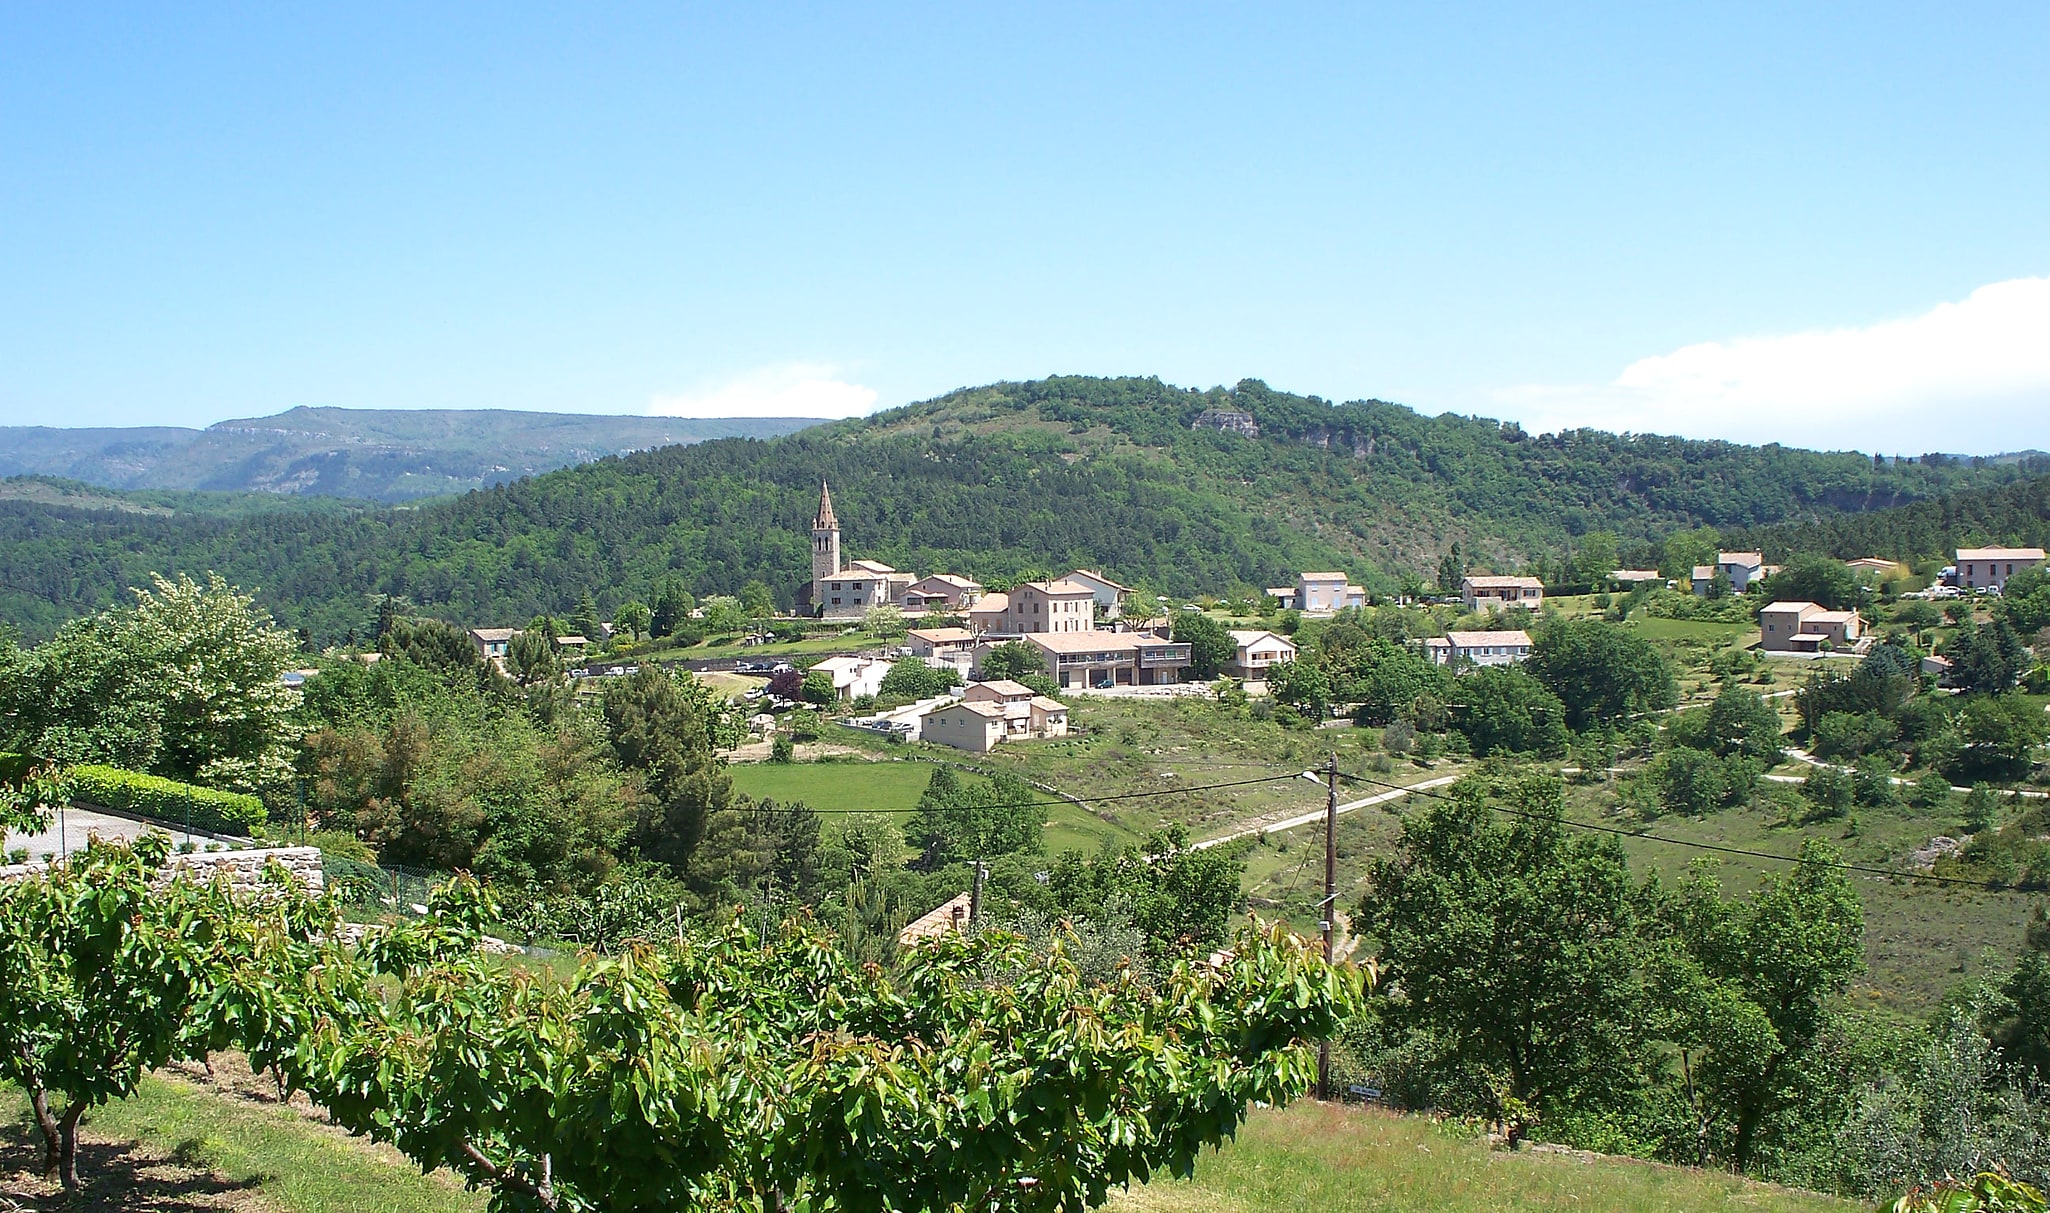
868	787
894	787
1316	1157
179	1147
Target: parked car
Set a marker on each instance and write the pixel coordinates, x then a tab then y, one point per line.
1106	684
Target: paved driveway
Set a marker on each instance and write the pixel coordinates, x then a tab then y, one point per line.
77	825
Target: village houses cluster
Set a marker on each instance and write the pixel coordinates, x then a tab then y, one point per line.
1087	635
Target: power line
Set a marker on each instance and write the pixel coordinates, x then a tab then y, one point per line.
1843	865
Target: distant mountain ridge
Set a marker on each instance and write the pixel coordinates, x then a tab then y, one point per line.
387	455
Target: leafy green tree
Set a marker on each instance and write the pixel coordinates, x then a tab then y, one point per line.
1932	792
633	617
2000	733
955	821
1685	549
665	728
1512	944
1989	659
432	644
756	852
883	621
184	684
29	793
1211	647
1506	711
1179	897
776	1072
1830	791
723	614
757	599
1745	990
1982	808
1302	686
1013	659
1601	673
586	620
817	688
1451	571
106	974
671	608
1695	782
1741	722
1818	579
1845	735
913	679
2021	1026
1384	679
1595	560
531	659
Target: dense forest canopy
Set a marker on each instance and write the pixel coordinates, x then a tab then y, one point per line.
1178	490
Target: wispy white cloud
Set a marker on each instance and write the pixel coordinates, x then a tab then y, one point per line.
1971	376
797	390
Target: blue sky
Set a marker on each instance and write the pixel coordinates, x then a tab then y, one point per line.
1827	225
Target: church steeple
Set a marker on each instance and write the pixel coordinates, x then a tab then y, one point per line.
825	542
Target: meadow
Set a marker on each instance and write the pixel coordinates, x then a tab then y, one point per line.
180	1147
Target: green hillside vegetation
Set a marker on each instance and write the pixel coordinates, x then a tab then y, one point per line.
2015	514
378	454
999	482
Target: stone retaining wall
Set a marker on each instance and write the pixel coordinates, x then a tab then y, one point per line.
244	869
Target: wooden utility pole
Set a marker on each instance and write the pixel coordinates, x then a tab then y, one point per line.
1330	904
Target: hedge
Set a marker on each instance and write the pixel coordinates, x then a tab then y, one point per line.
167	800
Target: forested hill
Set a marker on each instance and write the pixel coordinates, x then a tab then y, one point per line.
1178	490
386	455
2016	515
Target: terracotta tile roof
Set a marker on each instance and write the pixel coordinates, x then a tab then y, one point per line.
939	921
2000	553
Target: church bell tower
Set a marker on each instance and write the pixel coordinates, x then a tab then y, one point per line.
825	542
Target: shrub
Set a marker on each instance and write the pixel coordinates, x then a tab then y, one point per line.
167	800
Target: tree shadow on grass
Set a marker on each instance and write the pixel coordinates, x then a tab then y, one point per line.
116	1176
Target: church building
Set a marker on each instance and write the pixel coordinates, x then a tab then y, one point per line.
847	591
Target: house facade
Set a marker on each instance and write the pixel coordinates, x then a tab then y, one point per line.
1256	651
1110	596
1741	568
1989	568
1806	627
1461	649
1495	593
855	677
1319	594
975	727
491	643
989	713
941	592
1090	659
